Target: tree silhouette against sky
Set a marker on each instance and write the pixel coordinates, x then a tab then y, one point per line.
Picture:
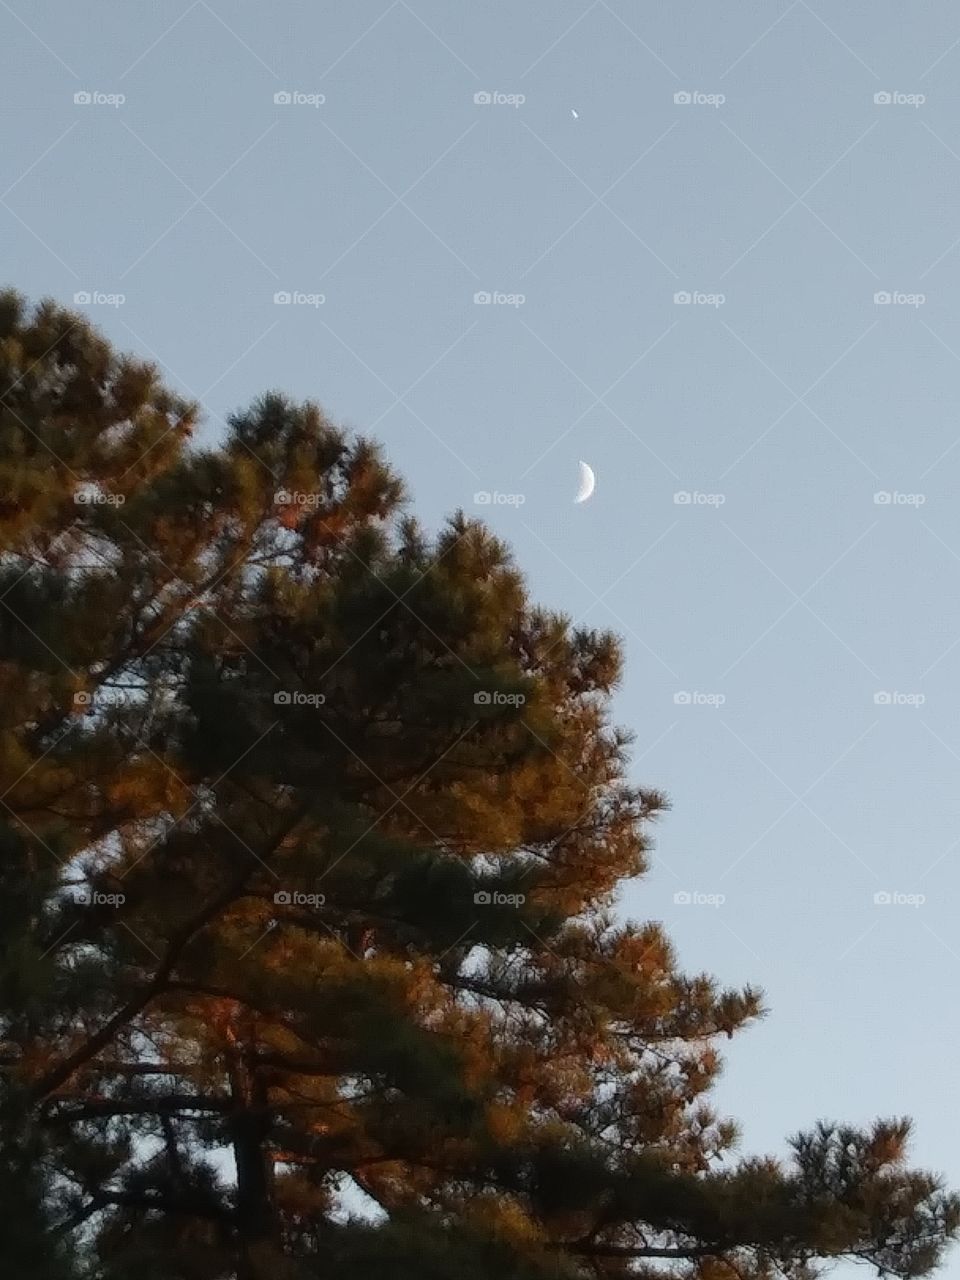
311	830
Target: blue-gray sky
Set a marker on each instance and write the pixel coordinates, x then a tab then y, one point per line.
784	197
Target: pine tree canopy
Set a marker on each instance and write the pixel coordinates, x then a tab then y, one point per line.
311	827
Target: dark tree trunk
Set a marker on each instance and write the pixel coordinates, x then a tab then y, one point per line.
249	1126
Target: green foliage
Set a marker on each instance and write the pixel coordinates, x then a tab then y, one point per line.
349	815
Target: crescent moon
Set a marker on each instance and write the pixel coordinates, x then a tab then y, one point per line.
588	483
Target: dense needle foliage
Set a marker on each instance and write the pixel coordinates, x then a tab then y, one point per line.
310	827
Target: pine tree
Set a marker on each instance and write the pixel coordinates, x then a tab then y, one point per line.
310	831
